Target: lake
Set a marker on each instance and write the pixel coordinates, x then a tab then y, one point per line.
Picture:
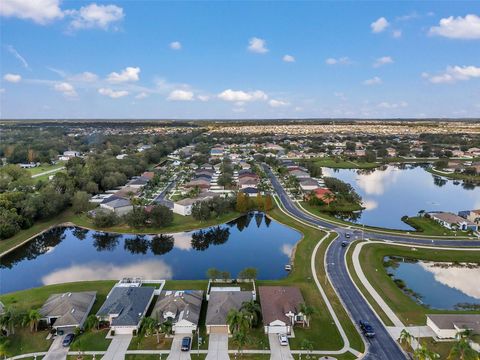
74	254
391	192
438	285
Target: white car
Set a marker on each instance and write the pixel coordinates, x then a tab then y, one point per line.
282	338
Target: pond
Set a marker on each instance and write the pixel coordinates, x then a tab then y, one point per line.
74	254
436	285
390	192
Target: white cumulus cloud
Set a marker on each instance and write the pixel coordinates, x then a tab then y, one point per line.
114	94
453	74
257	45
127	75
379	25
344	60
12	78
85	76
278	103
242	96
180	95
373	81
66	89
288	58
467	27
383	61
95	16
175	45
40	11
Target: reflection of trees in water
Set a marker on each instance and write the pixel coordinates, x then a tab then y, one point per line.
259	219
202	239
241	223
438	181
469	185
38	246
161	244
105	241
80	233
268	221
138	245
348	215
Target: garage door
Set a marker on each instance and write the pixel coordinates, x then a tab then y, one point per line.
184	329
123	330
277	330
218	329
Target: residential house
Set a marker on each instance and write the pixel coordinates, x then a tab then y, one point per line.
117	204
125	307
200	183
250	191
299	174
308	184
471	215
280	308
324	194
219	304
247	182
447	326
69	310
182	308
451	221
184	207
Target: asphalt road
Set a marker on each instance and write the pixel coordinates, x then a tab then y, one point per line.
382	346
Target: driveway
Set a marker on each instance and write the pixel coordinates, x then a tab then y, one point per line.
118	347
57	351
176	352
277	351
217	347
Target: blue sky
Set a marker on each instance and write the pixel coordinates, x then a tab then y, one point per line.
155	59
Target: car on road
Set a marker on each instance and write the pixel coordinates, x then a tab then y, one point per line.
67	340
347	235
367	329
282	338
186	342
344	244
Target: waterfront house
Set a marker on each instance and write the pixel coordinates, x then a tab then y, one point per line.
182	308
447	326
219	304
452	221
308	184
125	307
68	311
280	308
470	215
117	204
324	194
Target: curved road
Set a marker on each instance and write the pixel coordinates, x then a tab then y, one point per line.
382	346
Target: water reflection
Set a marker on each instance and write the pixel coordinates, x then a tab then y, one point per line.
391	192
71	254
437	285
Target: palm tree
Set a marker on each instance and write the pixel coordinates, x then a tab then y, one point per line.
405	337
462	350
150	326
238	321
240	339
92	322
32	318
253	311
307	311
166	327
9	320
423	353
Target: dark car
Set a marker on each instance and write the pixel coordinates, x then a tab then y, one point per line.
344	244
367	329
67	340
186	342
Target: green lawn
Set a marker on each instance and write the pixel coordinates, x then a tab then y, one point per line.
25	342
93	340
337	163
45	167
180	223
454	175
428	226
409	311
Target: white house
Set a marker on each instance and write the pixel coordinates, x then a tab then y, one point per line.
446	326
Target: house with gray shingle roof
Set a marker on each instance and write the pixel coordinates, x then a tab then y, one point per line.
125	307
219	304
182	308
68	310
117	204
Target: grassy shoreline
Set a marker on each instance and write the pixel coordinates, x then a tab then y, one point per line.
454	176
410	312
